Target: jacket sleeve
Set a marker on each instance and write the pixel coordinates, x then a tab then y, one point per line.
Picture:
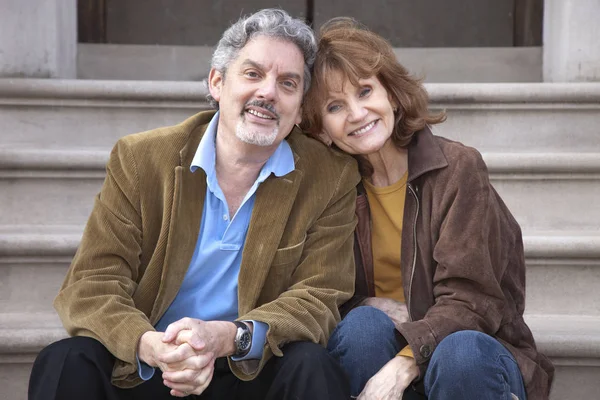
96	297
473	240
320	283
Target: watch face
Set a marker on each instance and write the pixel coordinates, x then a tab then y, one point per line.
245	341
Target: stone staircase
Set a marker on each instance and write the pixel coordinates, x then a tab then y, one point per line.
541	143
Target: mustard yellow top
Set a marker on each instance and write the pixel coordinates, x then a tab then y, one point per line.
387	210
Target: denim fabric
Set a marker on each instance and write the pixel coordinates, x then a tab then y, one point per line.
363	343
473	365
465	365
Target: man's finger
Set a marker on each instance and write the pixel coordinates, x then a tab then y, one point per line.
178	355
199	385
187	376
174	328
181	390
191	338
188	369
205	376
176	393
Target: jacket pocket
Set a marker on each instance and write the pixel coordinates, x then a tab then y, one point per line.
282	268
290	254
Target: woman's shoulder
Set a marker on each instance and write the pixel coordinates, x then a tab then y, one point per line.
460	156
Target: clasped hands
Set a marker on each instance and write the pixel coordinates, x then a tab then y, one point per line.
186	353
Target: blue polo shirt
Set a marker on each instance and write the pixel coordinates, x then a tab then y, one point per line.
209	289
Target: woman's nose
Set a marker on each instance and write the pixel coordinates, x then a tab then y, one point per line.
357	112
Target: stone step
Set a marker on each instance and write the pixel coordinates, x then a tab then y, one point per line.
75	114
573	344
571	341
501	117
517	118
22	336
563	272
563	275
539	140
551	191
192	63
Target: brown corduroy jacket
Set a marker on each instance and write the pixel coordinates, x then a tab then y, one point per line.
462	259
297	263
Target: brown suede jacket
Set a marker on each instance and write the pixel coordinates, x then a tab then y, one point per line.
462	259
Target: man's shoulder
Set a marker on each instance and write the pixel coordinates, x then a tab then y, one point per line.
324	169
167	139
312	155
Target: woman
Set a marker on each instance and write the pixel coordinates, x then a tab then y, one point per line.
440	267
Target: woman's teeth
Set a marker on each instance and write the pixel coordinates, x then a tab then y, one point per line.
363	130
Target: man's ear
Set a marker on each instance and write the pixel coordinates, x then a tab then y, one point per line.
215	84
299	117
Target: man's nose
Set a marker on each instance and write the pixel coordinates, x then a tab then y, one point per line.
267	89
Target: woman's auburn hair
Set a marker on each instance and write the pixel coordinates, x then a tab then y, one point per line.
349	48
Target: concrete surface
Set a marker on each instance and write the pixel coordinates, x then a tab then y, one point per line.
571	32
192	63
38	39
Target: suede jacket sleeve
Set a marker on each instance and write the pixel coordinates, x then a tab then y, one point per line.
472	239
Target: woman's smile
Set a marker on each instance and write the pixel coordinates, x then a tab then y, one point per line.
365	129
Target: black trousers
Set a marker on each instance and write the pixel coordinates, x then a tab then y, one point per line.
80	368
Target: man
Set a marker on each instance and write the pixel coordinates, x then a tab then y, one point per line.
214	220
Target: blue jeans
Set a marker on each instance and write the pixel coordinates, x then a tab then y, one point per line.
465	365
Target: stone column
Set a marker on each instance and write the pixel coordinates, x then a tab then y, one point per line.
38	38
571	40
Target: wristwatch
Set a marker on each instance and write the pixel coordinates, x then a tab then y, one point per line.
243	339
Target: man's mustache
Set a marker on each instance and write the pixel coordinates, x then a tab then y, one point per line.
263	104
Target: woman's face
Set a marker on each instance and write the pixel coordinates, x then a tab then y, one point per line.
358	119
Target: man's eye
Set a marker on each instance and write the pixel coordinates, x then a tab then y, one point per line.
289	84
252	74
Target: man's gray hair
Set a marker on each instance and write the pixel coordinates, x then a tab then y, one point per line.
269	22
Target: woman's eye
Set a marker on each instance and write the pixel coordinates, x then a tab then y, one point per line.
333	108
365	92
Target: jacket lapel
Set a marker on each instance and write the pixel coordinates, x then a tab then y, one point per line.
189	192
274	200
424	154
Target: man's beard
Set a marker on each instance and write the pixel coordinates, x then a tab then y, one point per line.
250	135
255	136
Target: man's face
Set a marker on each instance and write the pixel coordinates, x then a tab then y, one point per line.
260	97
